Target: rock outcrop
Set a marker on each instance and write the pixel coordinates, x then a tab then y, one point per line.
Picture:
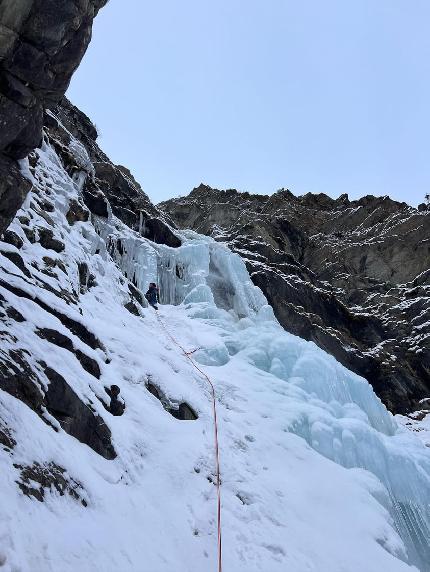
108	187
42	268
41	44
352	276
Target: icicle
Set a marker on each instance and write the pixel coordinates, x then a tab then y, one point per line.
140	222
79	178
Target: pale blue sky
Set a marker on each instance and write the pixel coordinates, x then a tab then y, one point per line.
313	95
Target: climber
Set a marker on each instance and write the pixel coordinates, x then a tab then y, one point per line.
153	295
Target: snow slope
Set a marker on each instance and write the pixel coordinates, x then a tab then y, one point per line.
316	474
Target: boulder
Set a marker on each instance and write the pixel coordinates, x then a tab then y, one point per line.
77	213
97	203
48	241
11	237
75	417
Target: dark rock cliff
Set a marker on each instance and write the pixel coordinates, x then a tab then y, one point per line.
41	44
352	276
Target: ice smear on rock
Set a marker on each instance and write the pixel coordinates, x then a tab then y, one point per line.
317	476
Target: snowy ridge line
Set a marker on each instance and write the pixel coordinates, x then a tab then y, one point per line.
216	441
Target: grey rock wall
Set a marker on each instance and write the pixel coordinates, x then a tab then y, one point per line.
41	44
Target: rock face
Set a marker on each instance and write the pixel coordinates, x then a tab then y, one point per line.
41	44
352	276
76	189
108	187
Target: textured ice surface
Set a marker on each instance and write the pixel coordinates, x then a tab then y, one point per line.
316	475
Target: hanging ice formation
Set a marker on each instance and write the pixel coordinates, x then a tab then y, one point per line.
334	410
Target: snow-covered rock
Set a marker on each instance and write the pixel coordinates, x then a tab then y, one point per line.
316	474
352	276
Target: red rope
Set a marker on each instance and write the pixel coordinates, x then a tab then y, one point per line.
217	463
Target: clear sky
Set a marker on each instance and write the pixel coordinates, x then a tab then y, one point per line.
312	95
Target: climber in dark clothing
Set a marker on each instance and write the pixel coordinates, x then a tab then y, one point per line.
153	295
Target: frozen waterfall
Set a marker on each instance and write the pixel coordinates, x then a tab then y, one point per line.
334	410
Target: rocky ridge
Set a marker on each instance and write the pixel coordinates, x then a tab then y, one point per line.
352	276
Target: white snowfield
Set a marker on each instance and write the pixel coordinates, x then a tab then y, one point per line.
316	474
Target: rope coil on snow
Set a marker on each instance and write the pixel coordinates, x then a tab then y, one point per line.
214	411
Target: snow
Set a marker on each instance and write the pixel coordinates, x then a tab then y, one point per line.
316	474
419	422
